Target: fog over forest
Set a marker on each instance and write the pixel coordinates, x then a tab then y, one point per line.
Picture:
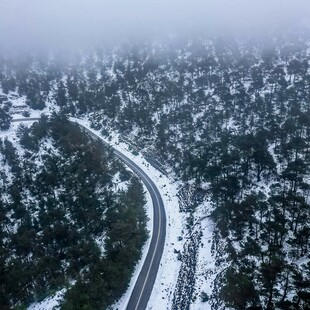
210	99
35	24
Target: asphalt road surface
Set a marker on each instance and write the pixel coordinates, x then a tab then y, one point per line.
146	279
145	282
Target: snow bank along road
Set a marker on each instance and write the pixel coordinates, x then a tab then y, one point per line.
145	281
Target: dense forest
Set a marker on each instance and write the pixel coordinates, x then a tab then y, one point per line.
230	116
63	222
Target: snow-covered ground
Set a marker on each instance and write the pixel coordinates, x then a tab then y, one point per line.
19	106
49	303
206	270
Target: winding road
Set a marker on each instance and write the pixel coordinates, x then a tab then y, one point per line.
143	287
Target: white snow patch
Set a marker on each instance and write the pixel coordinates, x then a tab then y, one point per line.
118	184
49	303
206	270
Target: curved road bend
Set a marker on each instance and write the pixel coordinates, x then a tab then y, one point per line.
143	288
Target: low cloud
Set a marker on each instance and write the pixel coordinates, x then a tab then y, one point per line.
57	23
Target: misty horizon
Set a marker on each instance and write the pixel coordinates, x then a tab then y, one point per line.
54	24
